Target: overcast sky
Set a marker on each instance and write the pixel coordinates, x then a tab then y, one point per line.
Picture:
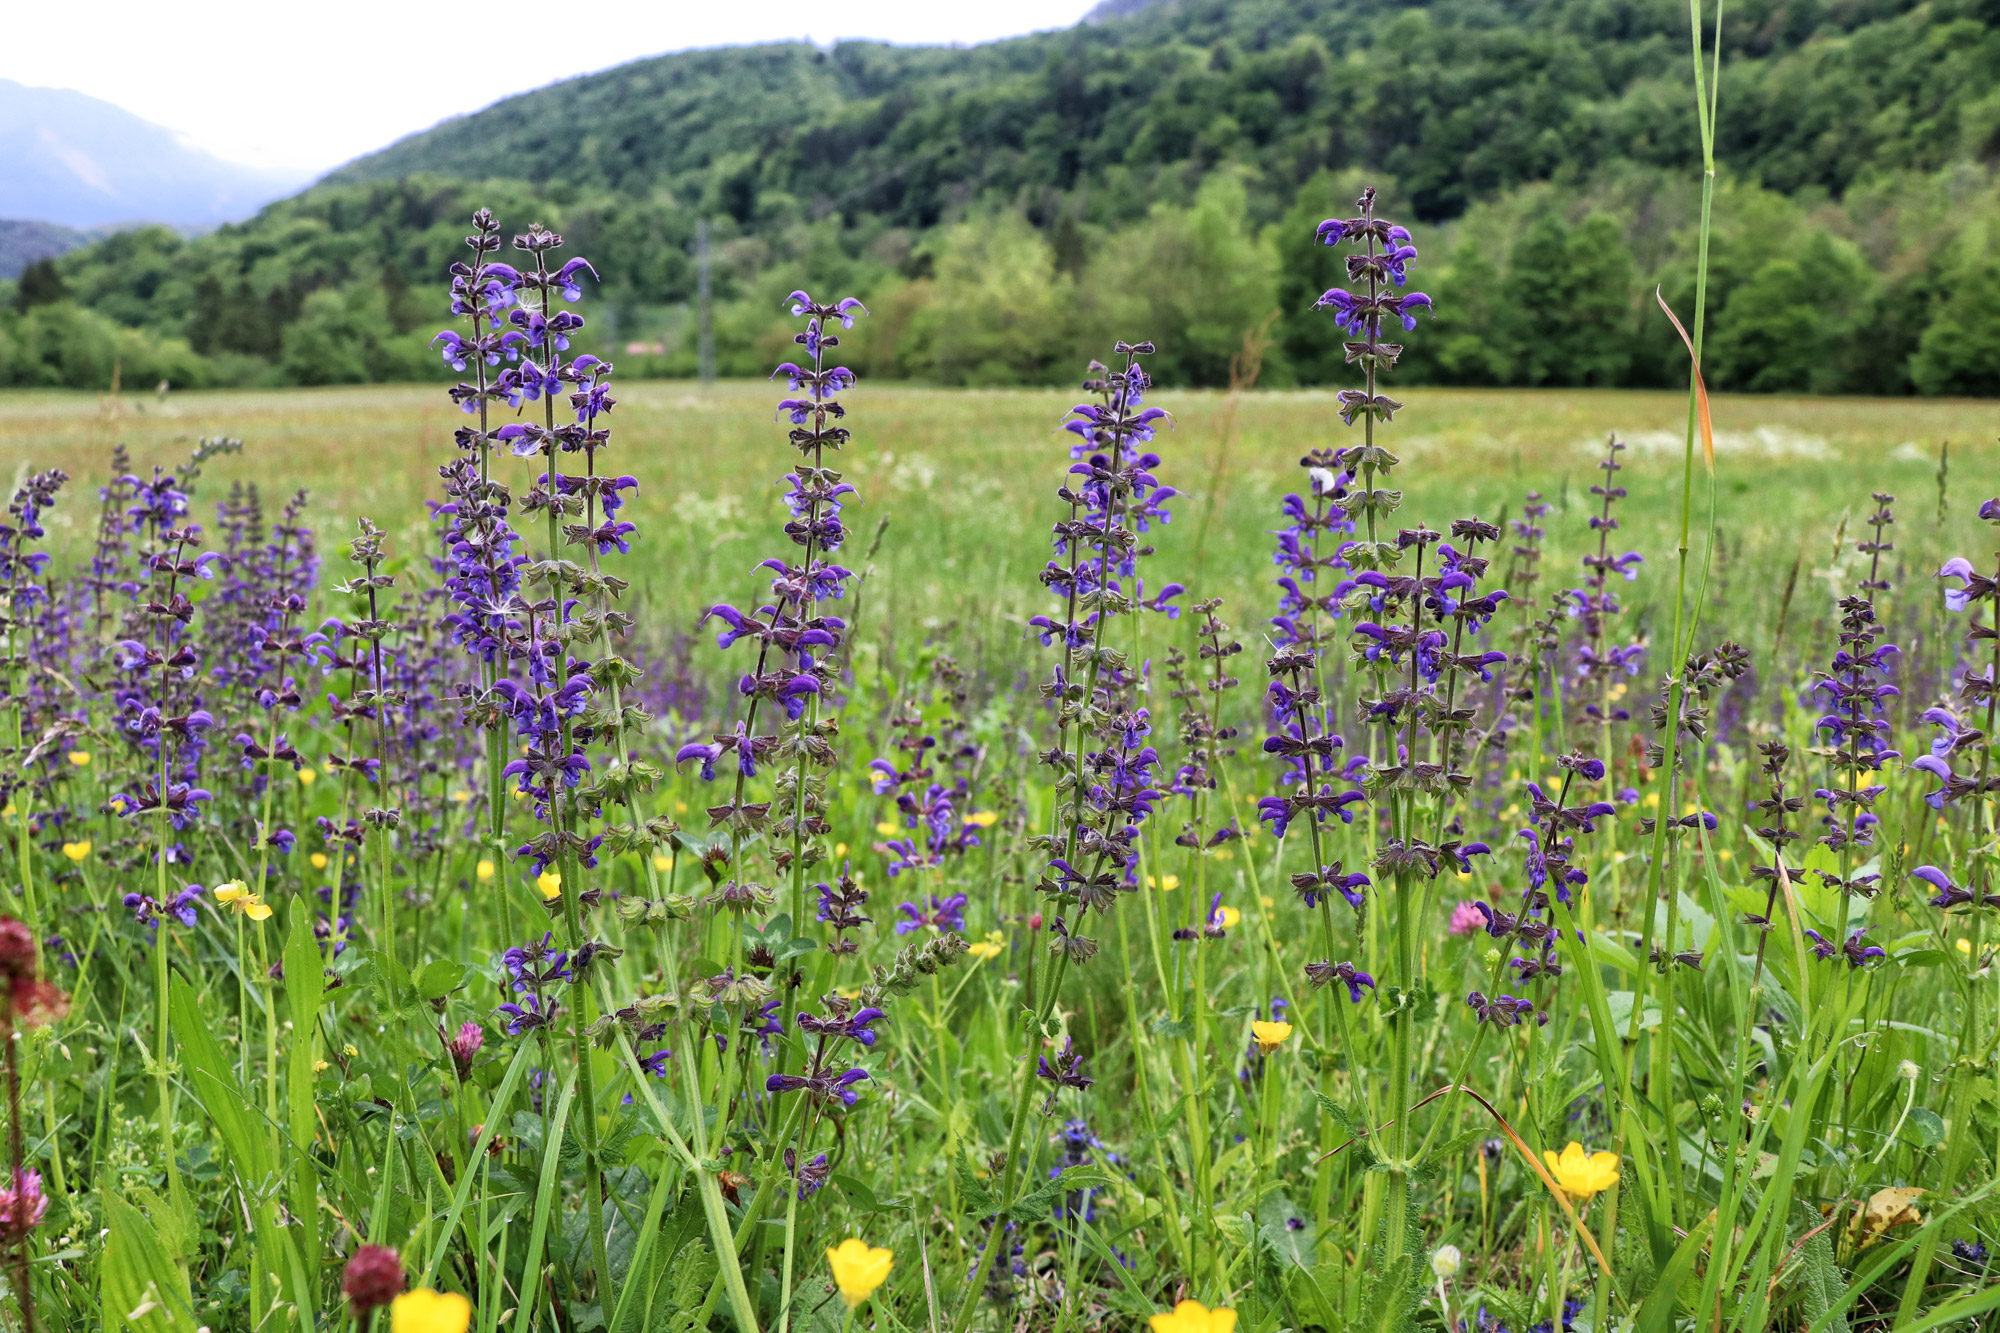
288	85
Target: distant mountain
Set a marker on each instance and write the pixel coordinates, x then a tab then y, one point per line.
22	243
79	162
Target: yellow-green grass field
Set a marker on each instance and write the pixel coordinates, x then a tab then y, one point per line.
966	479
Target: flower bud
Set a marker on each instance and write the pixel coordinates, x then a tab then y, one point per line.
1445	1262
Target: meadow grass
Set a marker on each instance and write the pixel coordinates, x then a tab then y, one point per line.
1766	1115
963	476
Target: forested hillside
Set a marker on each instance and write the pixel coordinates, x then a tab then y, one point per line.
1006	207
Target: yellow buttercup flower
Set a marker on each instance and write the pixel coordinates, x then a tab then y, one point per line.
983	818
80	758
319	860
1582	1174
858	1268
236	894
427	1311
840	849
1194	1317
1227	917
662	862
484	870
76	851
307	776
1270	1036
989	948
461	797
550	883
887	829
1166	884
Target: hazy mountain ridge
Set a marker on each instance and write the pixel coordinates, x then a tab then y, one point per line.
22	242
73	160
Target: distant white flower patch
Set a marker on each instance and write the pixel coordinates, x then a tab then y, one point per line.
1763	442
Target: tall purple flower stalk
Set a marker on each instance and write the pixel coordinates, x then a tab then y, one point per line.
1105	767
1961	754
797	641
1595	606
1856	723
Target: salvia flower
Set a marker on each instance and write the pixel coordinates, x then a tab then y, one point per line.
1949	892
1346	973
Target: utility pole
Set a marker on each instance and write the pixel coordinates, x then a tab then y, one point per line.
705	307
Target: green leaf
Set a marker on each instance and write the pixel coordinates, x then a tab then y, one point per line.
1274	1218
1929	1126
973	1194
305	984
440	979
140	1275
1656	1313
1039	1202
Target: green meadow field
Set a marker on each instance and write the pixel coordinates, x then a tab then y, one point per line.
965	478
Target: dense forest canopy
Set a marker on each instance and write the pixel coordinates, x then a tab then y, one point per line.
1004	207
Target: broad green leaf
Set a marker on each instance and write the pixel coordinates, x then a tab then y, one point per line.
440	979
144	1289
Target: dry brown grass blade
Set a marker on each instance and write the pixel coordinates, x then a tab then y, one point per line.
1700	385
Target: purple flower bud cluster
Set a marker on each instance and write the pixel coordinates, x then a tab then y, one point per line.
1855	948
1595	606
1078	1146
1106	767
796	669
1855	689
533	970
1552	871
1961	754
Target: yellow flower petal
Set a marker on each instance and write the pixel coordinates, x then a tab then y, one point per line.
257	911
662	862
80	758
1270	1036
550	883
1194	1317
319	860
484	871
76	851
887	829
858	1269
427	1311
1582	1174
307	777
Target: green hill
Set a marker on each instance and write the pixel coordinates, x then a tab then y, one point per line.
1007	207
